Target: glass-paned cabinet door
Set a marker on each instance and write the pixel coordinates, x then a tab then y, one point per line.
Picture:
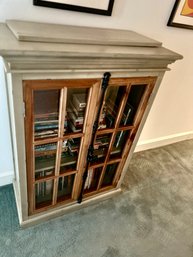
58	115
124	103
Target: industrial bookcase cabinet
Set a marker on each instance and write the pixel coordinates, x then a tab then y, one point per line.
78	99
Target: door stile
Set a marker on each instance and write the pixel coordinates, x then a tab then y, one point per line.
62	112
89	121
28	99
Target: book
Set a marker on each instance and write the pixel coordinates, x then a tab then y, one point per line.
89	178
127	115
79	100
79	113
39	127
74	128
47	133
75	120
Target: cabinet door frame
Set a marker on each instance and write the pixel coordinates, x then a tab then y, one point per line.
28	87
128	83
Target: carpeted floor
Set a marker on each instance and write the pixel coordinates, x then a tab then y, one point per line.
152	218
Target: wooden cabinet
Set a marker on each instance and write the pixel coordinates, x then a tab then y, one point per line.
59	122
78	100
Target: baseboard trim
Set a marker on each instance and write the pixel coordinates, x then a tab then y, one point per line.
6	178
162	141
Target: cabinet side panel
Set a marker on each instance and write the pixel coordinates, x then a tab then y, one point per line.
19	143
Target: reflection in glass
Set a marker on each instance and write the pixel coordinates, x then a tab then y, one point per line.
70	151
44	173
76	108
119	143
110	109
65	186
46	112
101	146
43	193
45	158
92	179
109	174
133	101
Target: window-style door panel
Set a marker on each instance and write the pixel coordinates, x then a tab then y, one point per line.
122	110
59	114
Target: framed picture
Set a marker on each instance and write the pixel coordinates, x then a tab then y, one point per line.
102	7
182	14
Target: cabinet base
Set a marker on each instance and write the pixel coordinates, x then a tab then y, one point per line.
59	211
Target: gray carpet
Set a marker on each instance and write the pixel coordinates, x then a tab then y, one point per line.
153	217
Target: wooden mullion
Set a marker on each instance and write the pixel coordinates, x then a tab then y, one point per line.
72	135
124	128
104	131
66	174
46	141
94	166
39	180
55	139
114	161
122	106
92	102
62	110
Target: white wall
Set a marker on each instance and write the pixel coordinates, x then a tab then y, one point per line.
171	117
6	161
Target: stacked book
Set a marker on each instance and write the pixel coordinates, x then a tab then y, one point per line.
76	111
46	125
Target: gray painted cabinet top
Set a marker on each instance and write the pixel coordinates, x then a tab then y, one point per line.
62	47
41	32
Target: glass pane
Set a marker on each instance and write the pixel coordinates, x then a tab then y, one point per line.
110	110
44	173
46	111
70	151
109	174
76	108
45	158
65	186
119	143
43	193
132	104
101	146
92	179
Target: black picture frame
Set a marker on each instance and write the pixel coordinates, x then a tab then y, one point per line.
76	8
177	20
